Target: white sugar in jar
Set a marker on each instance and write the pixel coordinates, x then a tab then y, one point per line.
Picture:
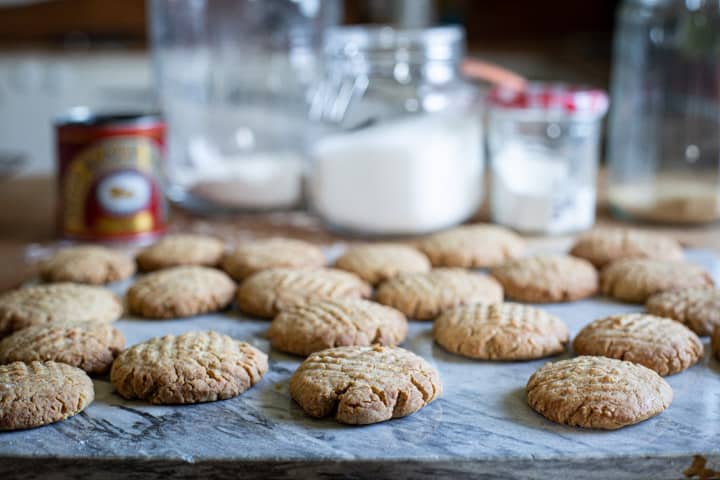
401	150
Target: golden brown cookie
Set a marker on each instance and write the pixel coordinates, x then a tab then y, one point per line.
87	264
39	393
472	246
267	293
698	308
179	250
424	296
660	344
377	262
362	385
500	331
180	292
604	245
322	324
43	304
597	392
546	279
190	368
634	280
715	343
90	346
260	255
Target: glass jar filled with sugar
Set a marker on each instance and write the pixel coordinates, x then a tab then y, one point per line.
398	143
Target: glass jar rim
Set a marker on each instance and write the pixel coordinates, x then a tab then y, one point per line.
550	99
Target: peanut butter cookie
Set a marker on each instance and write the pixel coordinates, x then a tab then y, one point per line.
500	331
322	324
181	250
472	246
87	264
260	255
597	392
362	385
190	368
38	393
604	245
424	296
180	292
660	344
377	262
698	308
546	279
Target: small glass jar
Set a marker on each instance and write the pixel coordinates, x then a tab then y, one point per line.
398	149
233	78
663	141
543	146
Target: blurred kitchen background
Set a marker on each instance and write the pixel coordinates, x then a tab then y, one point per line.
61	53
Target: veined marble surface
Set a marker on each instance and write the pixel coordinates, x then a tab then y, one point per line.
481	428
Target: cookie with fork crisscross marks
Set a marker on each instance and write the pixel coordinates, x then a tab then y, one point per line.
190	368
698	308
597	392
252	257
500	331
362	385
377	262
87	264
601	246
472	246
181	249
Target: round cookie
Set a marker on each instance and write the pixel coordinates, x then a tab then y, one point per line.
363	385
253	257
39	393
472	246
604	245
305	329
87	264
697	308
180	292
546	279
634	280
597	392
424	296
90	346
500	331
190	368
43	304
660	344
179	250
267	293
377	262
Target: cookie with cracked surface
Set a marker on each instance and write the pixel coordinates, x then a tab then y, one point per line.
305	329
250	258
424	296
601	246
180	292
658	343
87	264
181	250
547	279
500	331
193	367
90	346
39	393
472	246
634	280
377	262
697	308
267	293
58	302
363	385
597	392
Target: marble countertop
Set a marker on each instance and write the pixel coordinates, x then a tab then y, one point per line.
481	427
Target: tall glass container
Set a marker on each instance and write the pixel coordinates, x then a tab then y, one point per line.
664	130
233	79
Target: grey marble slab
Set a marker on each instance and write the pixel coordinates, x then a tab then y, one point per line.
481	428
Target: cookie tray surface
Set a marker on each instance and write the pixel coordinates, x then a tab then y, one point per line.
481	427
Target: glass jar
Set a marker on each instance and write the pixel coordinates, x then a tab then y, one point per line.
663	143
543	146
398	149
233	79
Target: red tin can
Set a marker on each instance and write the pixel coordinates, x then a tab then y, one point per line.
108	172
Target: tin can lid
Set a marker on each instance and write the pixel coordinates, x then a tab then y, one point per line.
82	115
558	98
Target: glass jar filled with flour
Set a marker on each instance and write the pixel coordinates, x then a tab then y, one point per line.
398	146
543	143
